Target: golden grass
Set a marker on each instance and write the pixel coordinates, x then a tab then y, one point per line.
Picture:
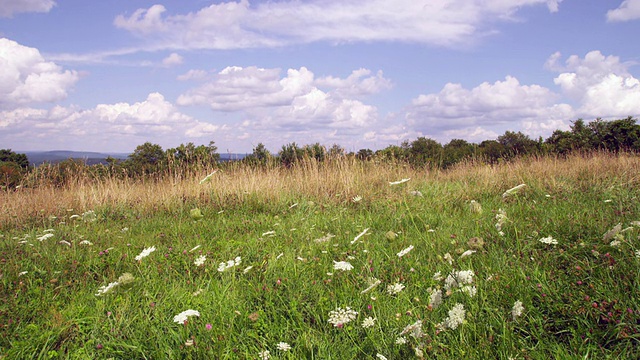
334	180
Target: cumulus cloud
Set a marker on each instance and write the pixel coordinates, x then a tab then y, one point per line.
26	77
602	85
628	10
10	7
107	126
292	102
172	60
487	109
239	24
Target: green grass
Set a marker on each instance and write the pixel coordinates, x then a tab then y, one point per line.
581	296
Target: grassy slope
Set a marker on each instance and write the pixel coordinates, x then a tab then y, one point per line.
580	297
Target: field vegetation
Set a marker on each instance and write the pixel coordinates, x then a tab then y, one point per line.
536	257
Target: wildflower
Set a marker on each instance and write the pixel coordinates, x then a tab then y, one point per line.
183	316
45	237
279	256
200	260
469	290
394	289
356	199
513	191
437	276
89	216
74	216
342	265
359	236
549	240
401	340
638	254
246	270
342	316
448	258
264	355
64	242
405	251
501	218
85	242
189	342
196	293
415	330
373	282
195	248
467	253
612	233
416	193
435	299
126	279
269	233
229	264
124	229
325	238
517	309
475	207
208	177
283	346
145	253
459	279
22	273
399	181
455	318
368	322
419	353
105	289
615	243
381	357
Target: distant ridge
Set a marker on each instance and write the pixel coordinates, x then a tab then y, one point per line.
37	158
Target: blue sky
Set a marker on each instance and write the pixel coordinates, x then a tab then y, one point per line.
111	75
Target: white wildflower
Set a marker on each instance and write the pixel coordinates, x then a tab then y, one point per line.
198	292
195	248
455	318
200	260
85	242
399	181
467	253
501	219
23	273
638	254
324	238
373	282
437	276
405	251
342	265
435	299
264	355
183	316
246	270
368	322
356	199
45	237
89	216
549	240
105	289
615	243
279	256
359	236
475	207
342	316
283	346
469	290
401	340
416	193
64	242
145	253
448	258
414	330
269	233
517	309
74	216
394	289
208	177
512	191
611	234
381	357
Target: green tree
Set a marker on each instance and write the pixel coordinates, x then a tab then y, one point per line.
517	143
146	159
6	155
315	151
425	152
364	154
290	154
491	151
455	151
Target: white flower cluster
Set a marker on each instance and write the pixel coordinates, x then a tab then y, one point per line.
229	264
394	289
105	289
200	260
501	219
145	253
183	316
455	318
549	240
340	316
517	309
414	330
435	298
342	265
405	251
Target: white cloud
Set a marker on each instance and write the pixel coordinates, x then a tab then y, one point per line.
486	110
172	60
26	77
193	74
107	127
601	84
628	10
10	7
231	24
354	85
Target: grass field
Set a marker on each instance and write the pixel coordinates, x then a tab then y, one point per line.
335	260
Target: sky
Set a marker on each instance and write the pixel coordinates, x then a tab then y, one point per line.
110	75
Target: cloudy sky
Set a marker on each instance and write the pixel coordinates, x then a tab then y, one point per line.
111	75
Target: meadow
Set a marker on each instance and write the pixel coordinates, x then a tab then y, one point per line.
536	258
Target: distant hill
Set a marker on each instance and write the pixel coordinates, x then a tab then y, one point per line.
37	158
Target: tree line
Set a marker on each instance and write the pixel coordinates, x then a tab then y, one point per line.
150	161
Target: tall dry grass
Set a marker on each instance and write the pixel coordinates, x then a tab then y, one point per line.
333	180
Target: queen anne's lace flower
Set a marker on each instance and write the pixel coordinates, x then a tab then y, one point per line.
183	316
340	316
405	251
549	240
455	318
342	265
394	289
145	253
283	346
517	309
